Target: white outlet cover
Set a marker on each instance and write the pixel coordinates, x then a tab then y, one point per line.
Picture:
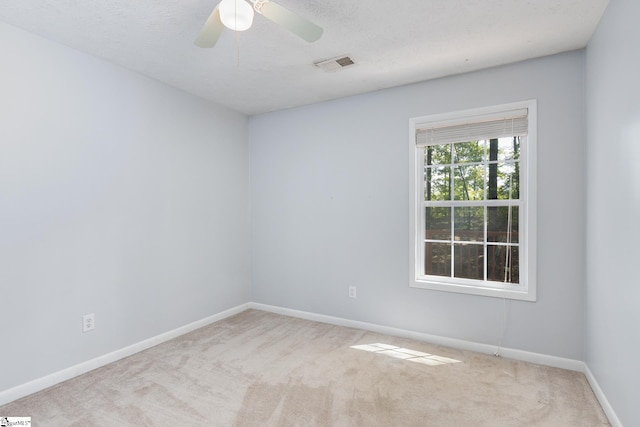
88	322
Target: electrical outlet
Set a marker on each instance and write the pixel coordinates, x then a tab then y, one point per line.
352	291
88	322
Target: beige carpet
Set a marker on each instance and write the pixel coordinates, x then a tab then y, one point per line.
262	369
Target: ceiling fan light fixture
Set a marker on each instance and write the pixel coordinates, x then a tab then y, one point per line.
236	15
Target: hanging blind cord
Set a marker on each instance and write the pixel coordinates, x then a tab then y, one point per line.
504	327
507	267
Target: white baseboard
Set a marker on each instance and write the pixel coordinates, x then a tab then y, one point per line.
540	359
36	385
606	406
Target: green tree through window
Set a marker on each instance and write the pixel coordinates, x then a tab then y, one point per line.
480	239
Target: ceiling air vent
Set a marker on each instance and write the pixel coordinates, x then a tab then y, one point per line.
335	64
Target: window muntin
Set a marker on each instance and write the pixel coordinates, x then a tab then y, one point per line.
473	202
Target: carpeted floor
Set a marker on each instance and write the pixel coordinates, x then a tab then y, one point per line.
263	369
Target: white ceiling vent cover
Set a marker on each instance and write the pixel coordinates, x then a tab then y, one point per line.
335	64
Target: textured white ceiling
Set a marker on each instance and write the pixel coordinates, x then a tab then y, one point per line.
267	68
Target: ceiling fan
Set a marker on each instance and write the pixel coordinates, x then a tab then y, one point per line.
237	15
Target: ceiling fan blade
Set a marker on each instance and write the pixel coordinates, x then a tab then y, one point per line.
289	20
210	31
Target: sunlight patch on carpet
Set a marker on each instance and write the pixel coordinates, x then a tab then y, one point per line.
405	354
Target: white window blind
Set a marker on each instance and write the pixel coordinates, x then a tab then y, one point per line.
505	124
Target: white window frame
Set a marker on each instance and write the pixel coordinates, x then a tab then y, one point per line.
526	289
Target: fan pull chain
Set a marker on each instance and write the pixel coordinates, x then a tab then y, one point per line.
238	48
235	4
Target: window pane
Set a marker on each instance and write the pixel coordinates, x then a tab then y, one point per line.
468	152
503	182
438	223
437	154
437	183
469	183
437	259
502	227
469	261
469	224
509	148
504	263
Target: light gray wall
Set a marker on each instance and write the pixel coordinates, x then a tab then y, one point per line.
613	208
119	196
330	208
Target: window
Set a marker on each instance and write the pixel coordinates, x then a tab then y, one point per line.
472	195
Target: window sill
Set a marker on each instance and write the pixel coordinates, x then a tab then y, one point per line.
519	294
